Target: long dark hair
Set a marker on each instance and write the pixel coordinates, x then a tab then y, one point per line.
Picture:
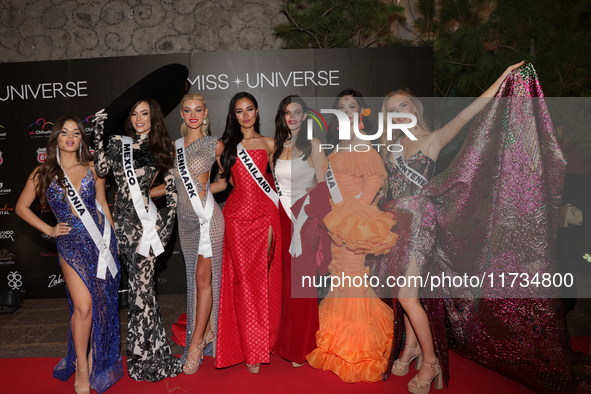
232	134
283	132
50	169
332	135
161	146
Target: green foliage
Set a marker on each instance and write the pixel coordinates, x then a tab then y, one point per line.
338	24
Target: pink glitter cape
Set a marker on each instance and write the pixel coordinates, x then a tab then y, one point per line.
495	210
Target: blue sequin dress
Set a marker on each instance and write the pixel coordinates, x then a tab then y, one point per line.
79	251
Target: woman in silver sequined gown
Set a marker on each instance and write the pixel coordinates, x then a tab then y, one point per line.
203	274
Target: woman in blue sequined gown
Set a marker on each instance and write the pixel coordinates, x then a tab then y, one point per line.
93	347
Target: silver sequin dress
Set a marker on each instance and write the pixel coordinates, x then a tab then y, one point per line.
200	156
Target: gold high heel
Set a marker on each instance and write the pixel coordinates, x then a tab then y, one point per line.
422	387
81	389
400	368
191	366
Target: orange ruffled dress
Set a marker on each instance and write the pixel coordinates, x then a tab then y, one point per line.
355	335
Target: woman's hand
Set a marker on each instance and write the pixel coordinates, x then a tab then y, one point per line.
59	229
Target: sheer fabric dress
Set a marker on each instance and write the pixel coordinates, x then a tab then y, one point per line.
80	252
199	156
250	300
148	354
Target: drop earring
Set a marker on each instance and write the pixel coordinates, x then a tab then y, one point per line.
205	121
80	152
57	155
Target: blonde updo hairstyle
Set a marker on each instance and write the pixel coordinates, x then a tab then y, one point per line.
204	127
419	114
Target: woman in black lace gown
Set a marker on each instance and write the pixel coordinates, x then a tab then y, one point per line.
150	151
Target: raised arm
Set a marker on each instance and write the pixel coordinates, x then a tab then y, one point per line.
103	160
444	135
23	210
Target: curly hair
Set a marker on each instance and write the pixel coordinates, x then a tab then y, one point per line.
161	146
50	169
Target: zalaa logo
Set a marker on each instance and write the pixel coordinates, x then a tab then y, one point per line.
39	128
41	154
2	132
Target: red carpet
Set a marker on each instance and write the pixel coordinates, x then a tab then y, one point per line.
25	375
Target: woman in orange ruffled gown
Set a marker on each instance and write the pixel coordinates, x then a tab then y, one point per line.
355	335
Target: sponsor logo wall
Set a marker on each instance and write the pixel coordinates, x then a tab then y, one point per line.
33	95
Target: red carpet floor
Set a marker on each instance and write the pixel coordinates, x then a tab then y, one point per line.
26	375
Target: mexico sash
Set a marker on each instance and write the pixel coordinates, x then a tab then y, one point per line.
204	215
149	236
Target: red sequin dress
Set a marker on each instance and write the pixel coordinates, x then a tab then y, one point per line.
250	299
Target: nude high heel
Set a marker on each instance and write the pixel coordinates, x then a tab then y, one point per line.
400	368
191	366
81	389
423	387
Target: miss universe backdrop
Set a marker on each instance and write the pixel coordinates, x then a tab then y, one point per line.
33	95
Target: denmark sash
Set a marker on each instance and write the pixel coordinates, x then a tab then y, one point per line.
149	236
295	246
412	175
102	241
204	215
259	178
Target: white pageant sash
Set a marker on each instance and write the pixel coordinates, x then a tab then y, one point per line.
333	186
150	236
295	246
204	215
256	174
102	241
412	175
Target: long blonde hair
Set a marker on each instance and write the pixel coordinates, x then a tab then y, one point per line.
419	114
205	126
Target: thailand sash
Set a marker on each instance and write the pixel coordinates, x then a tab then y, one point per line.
412	175
149	236
102	241
204	215
295	246
259	178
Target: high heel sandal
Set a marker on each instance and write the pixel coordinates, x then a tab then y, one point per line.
400	368
254	368
191	366
423	387
81	389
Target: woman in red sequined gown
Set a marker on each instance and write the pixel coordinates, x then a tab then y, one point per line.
250	297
